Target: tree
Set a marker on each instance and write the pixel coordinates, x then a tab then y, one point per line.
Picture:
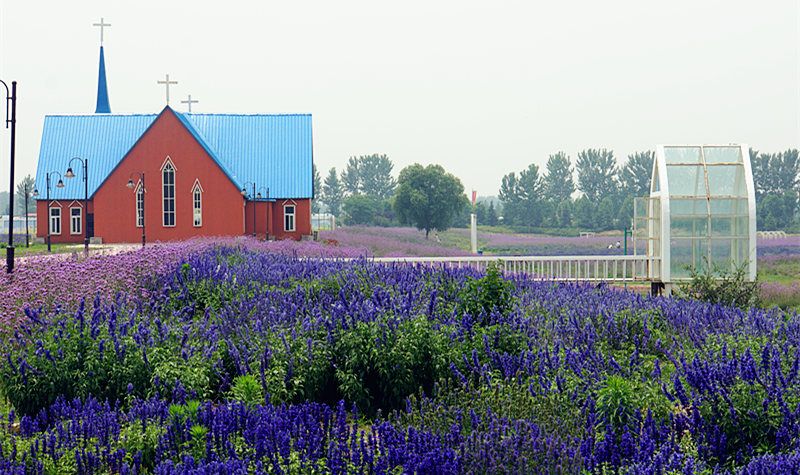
23	187
635	174
428	197
597	171
510	197
360	209
564	213
491	215
317	189
522	197
332	192
585	213
351	177
558	183
375	176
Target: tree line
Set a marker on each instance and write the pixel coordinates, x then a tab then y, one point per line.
533	198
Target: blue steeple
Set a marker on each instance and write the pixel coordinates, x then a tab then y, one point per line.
103	107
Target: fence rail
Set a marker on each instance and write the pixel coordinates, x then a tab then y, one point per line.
559	268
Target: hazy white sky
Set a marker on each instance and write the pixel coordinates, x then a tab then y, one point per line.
483	88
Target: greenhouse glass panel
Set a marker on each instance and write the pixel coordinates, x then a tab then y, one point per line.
726	180
683	155
686	180
722	155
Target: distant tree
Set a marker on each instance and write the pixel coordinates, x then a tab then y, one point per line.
635	174
360	209
351	177
776	211
558	184
597	171
26	186
428	197
317	190
510	197
332	192
491	215
375	176
564	213
584	214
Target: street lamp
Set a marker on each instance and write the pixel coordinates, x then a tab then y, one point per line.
132	186
253	198
60	184
11	107
70	174
267	207
27	191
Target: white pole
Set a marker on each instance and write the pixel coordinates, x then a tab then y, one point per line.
474	232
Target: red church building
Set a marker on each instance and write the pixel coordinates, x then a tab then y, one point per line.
203	175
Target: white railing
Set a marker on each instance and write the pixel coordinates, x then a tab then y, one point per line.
559	268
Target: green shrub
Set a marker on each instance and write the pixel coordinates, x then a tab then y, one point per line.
726	287
489	293
247	389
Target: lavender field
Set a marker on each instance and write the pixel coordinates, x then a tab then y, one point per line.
236	356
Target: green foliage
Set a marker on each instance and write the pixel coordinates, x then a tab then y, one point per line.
428	197
317	187
247	389
364	209
332	193
558	183
489	293
138	437
620	398
727	287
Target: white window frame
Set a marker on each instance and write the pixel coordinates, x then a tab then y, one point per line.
138	216
54	219
197	204
164	198
287	216
72	219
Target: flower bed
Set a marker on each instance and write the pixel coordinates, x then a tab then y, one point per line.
236	360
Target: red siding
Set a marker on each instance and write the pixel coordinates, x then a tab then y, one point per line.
222	204
274	211
65	236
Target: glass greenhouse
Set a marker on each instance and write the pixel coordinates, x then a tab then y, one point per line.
700	212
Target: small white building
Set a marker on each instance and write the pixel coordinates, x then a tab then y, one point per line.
19	224
701	212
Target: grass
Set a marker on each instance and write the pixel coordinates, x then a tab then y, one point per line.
36	249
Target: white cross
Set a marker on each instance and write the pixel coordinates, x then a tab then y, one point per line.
189	102
167	82
102	26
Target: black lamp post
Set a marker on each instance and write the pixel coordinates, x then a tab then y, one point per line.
60	184
11	107
27	228
70	174
132	186
266	208
253	198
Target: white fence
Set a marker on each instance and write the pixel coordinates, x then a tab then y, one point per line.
558	268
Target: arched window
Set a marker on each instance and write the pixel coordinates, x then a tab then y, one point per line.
139	205
197	204
168	193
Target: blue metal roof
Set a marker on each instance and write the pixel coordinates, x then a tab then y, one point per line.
275	151
101	139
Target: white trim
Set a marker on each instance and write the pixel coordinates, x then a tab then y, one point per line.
751	210
164	211
76	202
293	215
168	160
197	188
80	221
136	203
50	219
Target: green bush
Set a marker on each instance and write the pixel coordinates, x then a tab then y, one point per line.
247	389
719	286
489	293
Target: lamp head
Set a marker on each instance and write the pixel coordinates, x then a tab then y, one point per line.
244	192
69	173
60	183
258	195
130	184
35	192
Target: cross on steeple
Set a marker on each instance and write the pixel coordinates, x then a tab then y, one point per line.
166	82
102	26
189	102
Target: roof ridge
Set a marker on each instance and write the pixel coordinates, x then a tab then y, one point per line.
104	116
300	114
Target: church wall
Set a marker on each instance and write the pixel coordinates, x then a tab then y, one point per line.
222	203
302	219
66	236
